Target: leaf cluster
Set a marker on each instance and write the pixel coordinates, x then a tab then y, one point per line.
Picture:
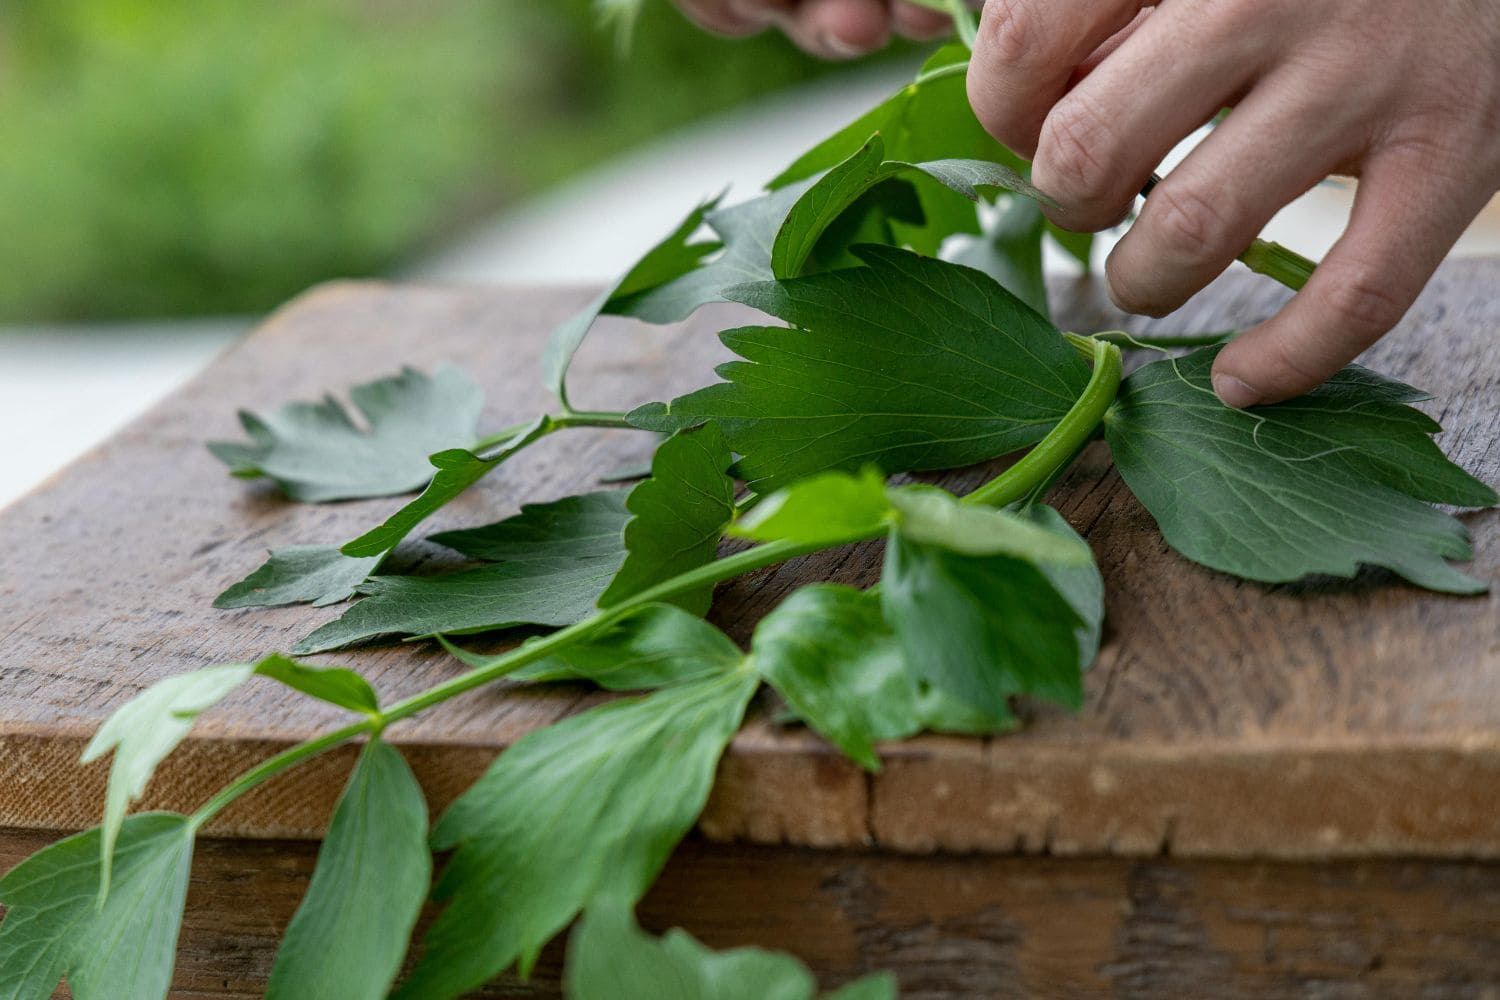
900	259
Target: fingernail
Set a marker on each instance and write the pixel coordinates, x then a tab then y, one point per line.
837	46
1234	392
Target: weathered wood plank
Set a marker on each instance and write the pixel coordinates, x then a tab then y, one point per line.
1223	718
967	928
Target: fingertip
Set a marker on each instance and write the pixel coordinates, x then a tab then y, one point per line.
1235	392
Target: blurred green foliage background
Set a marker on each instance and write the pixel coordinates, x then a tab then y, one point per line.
167	157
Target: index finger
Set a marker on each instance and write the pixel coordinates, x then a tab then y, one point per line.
1027	53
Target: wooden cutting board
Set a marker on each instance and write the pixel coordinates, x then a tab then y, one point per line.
1269	731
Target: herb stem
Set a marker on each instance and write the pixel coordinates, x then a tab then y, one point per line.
963	22
274	765
556	422
1036	467
721	569
590	418
1279	263
1065	439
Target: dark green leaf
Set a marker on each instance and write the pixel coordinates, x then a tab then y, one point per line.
836	191
561	558
655	646
880	215
55	926
316	452
829	508
457	470
1010	251
609	958
671	258
587	526
1320	484
587	809
909	363
300	574
679	516
472	600
924	121
348	936
968	593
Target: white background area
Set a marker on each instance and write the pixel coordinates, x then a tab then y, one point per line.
64	389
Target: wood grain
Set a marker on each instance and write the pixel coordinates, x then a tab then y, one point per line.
976	928
1223	719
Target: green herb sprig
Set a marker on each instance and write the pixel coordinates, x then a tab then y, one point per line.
896	357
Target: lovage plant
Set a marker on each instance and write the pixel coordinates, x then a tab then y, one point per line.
898	268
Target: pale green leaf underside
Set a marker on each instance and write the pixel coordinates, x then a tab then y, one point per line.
1010	251
319	575
1318	485
457	470
317	452
983	628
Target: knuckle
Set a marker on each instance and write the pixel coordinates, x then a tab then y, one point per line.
1074	151
1289	368
1186	222
1361	302
1009	32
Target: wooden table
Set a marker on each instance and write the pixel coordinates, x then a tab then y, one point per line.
1287	791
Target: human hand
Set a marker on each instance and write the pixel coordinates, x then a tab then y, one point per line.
1403	93
832	29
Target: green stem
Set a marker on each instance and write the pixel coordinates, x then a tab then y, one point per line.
1276	261
557	422
963	22
952	69
1056	449
1064	440
537	649
272	766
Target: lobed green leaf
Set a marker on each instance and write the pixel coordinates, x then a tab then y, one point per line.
122	948
457	470
1321	484
319	575
909	363
316	452
679	515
